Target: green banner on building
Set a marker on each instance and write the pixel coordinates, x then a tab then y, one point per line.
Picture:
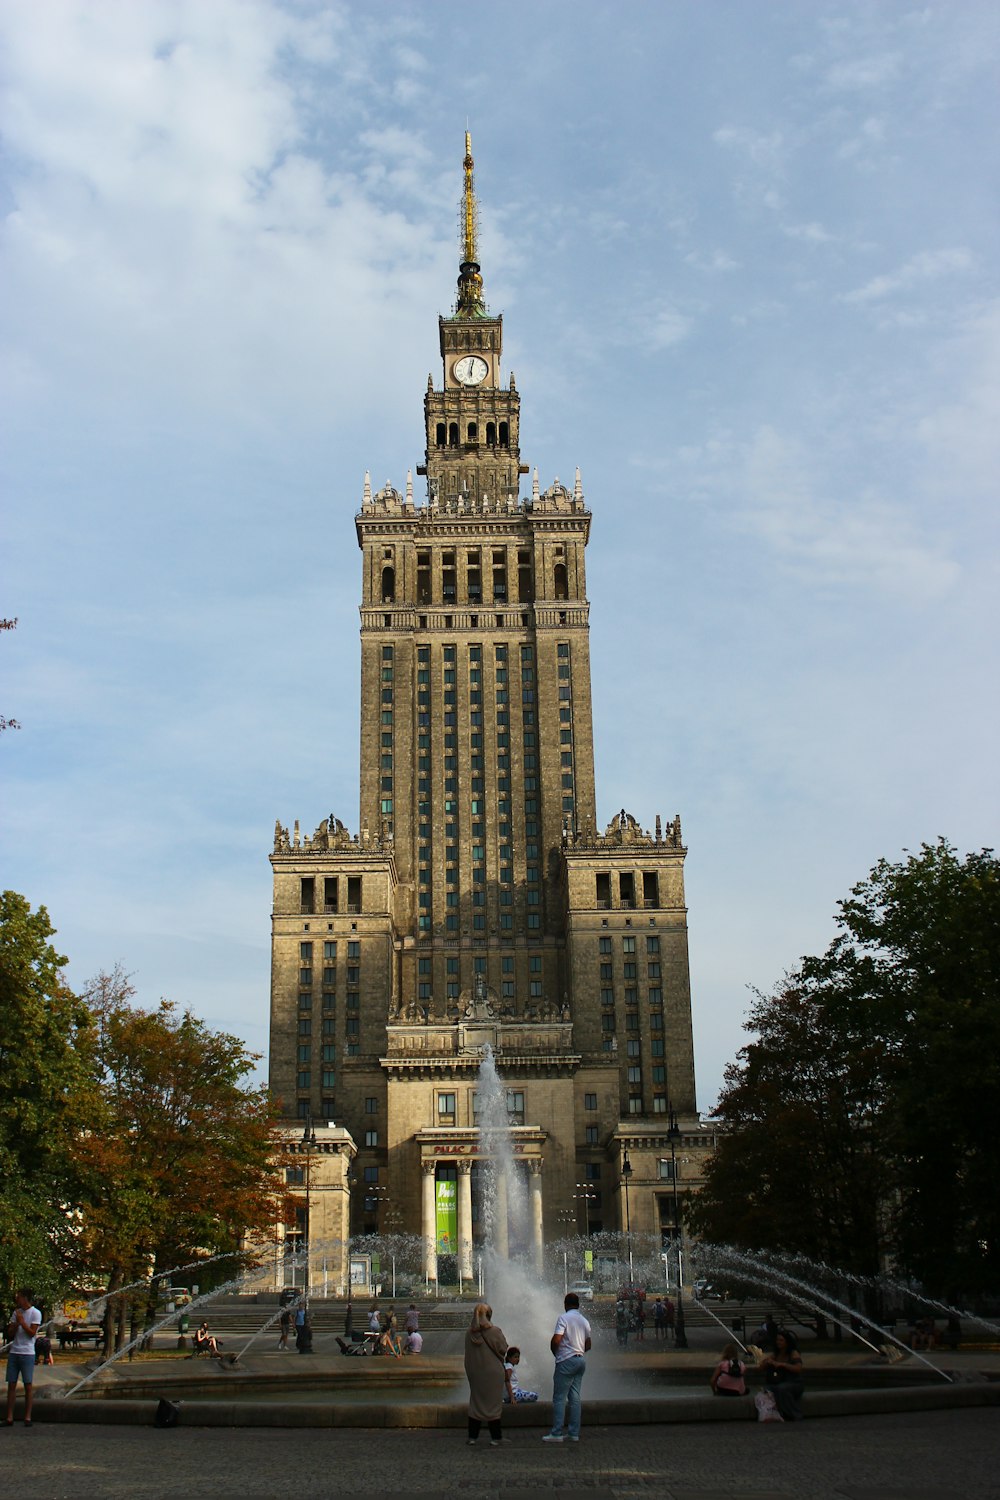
588	1260
446	1215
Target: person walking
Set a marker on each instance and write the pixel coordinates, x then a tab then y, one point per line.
485	1347
284	1328
22	1331
621	1322
570	1342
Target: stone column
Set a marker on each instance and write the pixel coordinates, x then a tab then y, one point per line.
537	1235
465	1220
429	1225
500	1242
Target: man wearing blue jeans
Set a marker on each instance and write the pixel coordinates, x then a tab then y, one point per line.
570	1343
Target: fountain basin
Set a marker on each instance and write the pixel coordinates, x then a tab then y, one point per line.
679	1407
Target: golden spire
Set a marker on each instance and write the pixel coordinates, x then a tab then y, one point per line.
469	303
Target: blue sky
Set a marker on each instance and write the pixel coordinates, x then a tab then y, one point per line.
746	255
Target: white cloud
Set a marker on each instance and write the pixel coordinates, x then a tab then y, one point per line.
857	539
711	261
664	327
812	233
864	72
960	434
763	150
929	265
864	144
173	214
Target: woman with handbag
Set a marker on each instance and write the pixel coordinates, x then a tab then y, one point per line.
485	1347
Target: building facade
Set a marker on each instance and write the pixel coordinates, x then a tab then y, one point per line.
482	902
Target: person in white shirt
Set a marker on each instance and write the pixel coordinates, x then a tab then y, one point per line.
569	1343
21	1330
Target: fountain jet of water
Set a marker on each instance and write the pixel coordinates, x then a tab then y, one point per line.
227	1286
120	1291
730	1332
814	1295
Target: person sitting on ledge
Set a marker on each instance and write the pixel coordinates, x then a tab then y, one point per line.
205	1342
728	1375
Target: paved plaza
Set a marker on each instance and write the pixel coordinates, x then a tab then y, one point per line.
936	1455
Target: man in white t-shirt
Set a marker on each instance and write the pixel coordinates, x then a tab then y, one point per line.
21	1331
569	1344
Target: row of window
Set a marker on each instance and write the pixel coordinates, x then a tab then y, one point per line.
333	894
631	888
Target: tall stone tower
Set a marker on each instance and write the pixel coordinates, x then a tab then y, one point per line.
479	903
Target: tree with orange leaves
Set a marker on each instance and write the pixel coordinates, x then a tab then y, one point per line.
182	1166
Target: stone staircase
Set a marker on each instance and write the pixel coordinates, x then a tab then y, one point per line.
243	1316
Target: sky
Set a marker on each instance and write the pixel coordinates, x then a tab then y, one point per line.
746	255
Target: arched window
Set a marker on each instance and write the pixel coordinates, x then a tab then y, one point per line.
388	585
491	434
473	433
504	435
453	435
562	587
440	434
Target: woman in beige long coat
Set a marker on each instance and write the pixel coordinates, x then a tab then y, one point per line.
485	1347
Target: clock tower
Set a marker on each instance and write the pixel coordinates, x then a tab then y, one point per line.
471	424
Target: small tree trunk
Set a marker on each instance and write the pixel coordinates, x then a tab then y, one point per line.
120	1324
114	1282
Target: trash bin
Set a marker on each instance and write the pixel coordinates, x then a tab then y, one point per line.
184	1324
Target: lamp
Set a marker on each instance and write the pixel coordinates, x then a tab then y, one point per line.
673	1136
626	1174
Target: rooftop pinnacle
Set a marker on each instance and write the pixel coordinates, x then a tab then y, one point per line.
469	303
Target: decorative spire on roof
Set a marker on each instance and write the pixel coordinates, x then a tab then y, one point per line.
469	303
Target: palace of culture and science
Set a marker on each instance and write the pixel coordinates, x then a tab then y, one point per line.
481	901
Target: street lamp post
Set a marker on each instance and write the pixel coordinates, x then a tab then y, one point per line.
585	1190
626	1174
309	1144
674	1135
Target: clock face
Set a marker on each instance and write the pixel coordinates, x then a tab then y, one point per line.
471	369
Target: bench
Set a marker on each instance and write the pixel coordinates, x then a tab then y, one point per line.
92	1333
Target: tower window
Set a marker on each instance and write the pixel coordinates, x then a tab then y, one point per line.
504	435
423	578
525	583
473	432
440	435
453	435
388	585
491	434
560	581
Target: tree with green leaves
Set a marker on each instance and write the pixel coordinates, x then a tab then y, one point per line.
184	1164
862	1116
48	1100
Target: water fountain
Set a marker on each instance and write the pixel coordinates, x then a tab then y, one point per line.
526	1297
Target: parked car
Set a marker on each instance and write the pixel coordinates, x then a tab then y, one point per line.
180	1296
709	1291
584	1290
289	1295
